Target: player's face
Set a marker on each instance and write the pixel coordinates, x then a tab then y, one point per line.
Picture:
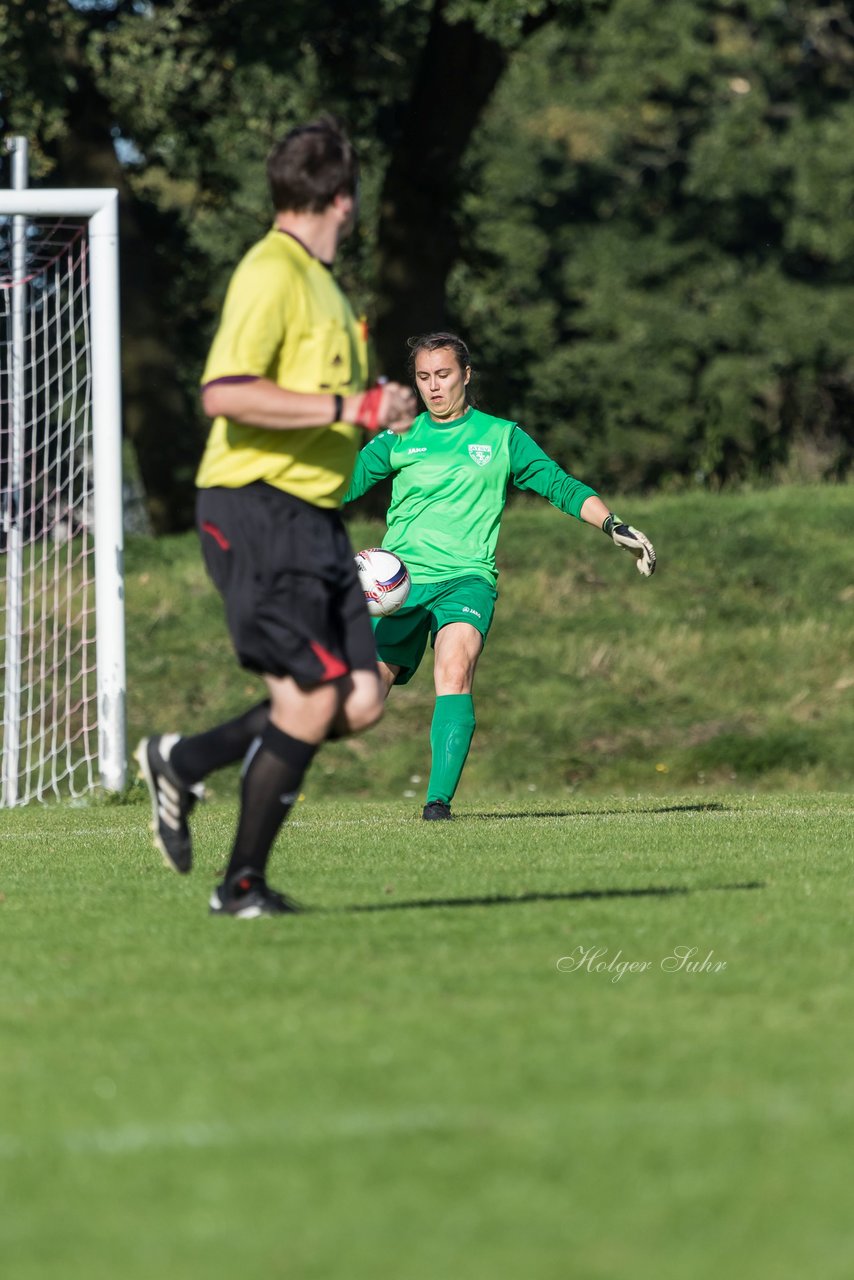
442	383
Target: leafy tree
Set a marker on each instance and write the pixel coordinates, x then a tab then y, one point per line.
638	213
50	91
195	92
663	287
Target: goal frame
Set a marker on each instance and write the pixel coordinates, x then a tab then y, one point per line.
100	207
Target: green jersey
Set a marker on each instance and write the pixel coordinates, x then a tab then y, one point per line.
450	487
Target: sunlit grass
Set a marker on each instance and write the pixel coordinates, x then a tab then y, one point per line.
411	1079
731	667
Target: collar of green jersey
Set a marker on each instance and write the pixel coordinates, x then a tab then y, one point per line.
455	422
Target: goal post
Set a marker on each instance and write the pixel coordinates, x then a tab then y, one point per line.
64	718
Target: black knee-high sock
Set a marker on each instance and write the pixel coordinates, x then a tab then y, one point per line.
195	757
275	767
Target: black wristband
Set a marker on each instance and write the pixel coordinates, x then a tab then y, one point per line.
339	409
609	522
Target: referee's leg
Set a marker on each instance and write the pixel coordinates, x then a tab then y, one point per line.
300	720
362	699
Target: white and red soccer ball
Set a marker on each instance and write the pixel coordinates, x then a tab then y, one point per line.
384	579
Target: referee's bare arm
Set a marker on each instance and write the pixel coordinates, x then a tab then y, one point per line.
260	402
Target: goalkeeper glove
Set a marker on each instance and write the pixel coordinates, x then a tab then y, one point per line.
633	540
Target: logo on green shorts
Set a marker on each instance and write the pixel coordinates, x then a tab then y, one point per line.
480	453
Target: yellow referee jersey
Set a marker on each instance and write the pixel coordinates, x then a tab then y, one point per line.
286	319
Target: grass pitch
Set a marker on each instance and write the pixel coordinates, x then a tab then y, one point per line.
441	1069
733	667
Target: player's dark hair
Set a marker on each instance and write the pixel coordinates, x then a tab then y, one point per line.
311	165
435	342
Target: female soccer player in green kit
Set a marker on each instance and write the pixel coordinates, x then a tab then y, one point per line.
450	477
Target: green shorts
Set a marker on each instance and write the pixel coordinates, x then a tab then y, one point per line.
402	638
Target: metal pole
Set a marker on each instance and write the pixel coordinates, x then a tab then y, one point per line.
109	529
13	512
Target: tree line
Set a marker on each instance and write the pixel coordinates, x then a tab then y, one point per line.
637	212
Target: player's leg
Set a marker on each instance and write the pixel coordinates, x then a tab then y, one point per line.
400	639
389	673
457	649
391	647
462	609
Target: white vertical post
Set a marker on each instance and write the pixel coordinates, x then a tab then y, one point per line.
100	207
109	533
13	514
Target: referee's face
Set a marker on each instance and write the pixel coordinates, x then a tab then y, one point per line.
347	207
442	382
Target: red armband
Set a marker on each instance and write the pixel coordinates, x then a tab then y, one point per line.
368	413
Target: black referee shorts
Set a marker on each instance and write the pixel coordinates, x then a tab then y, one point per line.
286	573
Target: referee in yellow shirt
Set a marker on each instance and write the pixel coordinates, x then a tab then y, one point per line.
285	384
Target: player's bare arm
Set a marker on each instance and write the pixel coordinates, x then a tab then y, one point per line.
259	402
626	536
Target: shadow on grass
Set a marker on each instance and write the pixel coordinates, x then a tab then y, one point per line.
575	895
594	813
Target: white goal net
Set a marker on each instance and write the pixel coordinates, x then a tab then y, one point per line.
61	629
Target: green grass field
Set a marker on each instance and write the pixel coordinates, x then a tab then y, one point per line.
415	1079
733	666
478	1053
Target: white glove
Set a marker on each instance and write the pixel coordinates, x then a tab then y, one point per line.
624	535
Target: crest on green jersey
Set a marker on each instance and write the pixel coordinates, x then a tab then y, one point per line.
480	453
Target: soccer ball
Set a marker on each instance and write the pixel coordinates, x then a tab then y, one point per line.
384	579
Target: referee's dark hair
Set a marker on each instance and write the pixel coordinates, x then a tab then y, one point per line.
311	165
435	342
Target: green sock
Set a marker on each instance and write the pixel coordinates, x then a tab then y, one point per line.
450	738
